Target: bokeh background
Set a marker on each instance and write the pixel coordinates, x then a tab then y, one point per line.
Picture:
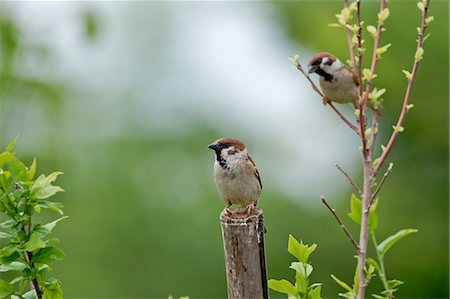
124	98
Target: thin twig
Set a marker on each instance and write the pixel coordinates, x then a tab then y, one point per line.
375	58
363	233
404	110
351	46
316	89
362	106
374	131
351	181
374	195
341	224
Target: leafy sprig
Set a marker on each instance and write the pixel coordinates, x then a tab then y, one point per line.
28	250
303	269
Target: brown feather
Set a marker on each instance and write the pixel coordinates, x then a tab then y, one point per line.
320	56
354	75
232	142
256	170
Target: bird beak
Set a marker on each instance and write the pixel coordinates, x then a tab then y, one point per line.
214	146
313	69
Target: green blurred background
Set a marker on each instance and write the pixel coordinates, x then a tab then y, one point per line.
124	97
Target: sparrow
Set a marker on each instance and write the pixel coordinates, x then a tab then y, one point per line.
235	174
338	82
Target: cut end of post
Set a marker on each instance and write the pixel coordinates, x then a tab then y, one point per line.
243	238
240	216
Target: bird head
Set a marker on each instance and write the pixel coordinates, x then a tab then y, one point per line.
228	147
325	65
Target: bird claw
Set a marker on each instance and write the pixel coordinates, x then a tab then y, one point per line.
325	101
229	212
249	208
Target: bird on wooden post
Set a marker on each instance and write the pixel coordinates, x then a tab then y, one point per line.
235	174
238	182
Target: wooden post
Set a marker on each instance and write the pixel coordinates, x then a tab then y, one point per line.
243	242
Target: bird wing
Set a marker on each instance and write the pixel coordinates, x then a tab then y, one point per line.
255	170
354	75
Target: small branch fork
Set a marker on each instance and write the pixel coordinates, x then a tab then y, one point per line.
341	224
404	110
316	89
351	181
374	195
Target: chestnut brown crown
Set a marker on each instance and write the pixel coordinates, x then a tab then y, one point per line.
227	142
317	59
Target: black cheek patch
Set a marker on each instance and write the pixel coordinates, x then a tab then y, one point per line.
325	75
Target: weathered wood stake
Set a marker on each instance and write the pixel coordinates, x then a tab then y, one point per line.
245	261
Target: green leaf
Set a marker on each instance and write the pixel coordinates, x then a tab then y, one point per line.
47	255
6	288
315	293
34	242
7	250
420	6
17	169
30	295
393	283
429	20
282	286
47	192
7	224
341	283
5	157
42	187
4	235
54	206
301	282
367	76
382	50
294	59
384	246
419	54
355	209
32	170
407	74
373	263
398	129
372	30
14	266
383	15
299	250
54	292
45	229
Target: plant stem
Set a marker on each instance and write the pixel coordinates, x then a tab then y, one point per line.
29	259
404	110
364	228
381	271
34	281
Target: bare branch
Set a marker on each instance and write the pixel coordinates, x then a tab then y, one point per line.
352	182
374	195
407	93
374	131
362	106
341	224
316	89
